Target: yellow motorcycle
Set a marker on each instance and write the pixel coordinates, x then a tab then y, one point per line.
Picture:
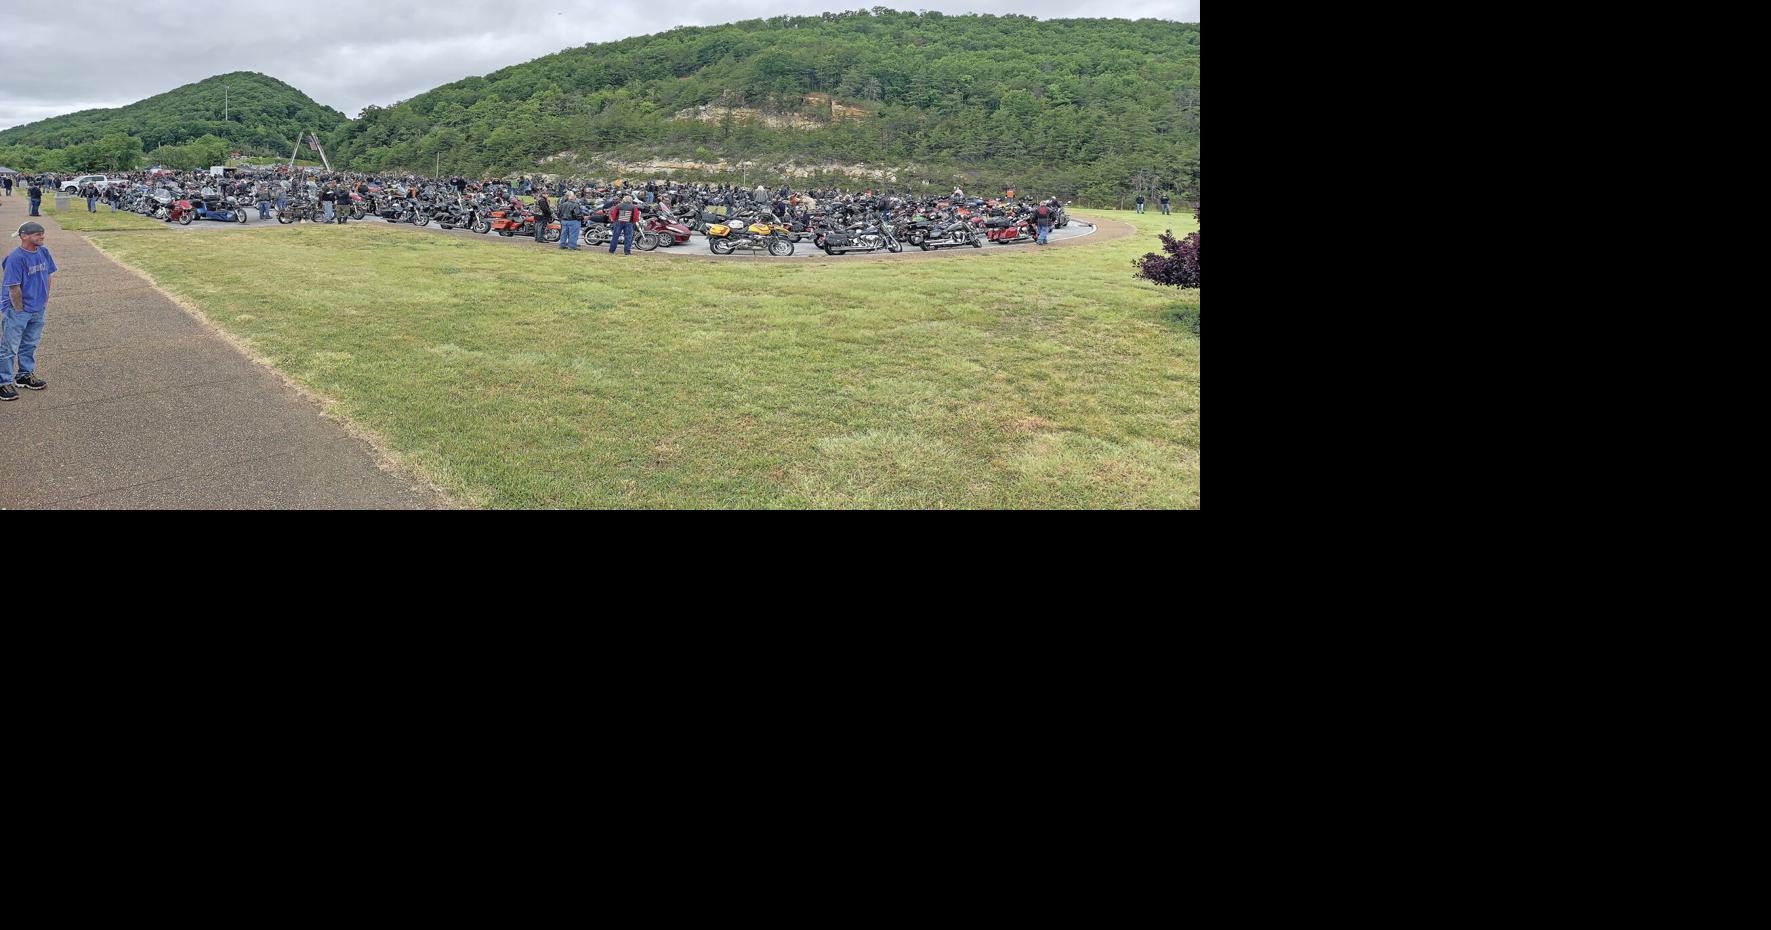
757	237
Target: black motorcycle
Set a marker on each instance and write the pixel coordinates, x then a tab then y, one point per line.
948	235
865	239
914	231
465	216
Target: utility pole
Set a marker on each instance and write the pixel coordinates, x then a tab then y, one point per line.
224	103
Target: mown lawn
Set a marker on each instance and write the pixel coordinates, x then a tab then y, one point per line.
521	376
75	217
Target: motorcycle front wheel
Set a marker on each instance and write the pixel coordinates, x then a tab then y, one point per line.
648	242
780	248
483	227
505	233
720	246
423	219
184	219
285	218
895	246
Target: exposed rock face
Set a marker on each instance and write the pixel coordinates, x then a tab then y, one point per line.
691	169
817	111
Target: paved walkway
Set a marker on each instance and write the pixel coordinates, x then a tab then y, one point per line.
147	408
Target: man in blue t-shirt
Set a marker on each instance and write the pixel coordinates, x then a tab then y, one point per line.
24	293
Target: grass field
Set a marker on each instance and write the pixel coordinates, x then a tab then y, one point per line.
75	217
520	376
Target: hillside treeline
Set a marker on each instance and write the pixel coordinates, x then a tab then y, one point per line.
1088	108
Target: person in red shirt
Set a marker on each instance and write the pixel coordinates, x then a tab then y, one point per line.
624	218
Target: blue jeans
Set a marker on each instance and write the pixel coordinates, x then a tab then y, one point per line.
92	205
282	203
35	203
326	212
1165	209
264	209
1140	208
616	232
569	234
18	342
1044	231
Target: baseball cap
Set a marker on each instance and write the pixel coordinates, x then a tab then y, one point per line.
28	229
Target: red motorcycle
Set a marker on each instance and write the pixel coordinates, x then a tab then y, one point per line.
1005	231
669	232
523	224
181	212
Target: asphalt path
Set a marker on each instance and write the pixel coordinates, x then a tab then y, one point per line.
149	407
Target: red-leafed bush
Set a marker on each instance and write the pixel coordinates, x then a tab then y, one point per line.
1179	268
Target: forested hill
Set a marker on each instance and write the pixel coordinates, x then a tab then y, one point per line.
1085	106
263	115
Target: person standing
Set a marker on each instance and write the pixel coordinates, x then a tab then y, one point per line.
570	211
36	196
1164	203
543	214
7	183
1140	203
264	200
24	294
326	199
624	217
1042	218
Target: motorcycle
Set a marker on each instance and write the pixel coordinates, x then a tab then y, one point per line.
523	225
298	209
757	237
465	216
1004	230
221	210
598	230
866	239
180	211
914	230
668	232
956	233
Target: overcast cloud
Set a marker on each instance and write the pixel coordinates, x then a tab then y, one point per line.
348	54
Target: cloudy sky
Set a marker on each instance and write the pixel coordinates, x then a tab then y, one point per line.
351	53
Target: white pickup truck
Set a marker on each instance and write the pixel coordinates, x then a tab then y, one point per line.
69	187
